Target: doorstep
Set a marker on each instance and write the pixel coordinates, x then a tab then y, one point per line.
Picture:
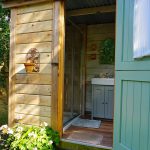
72	145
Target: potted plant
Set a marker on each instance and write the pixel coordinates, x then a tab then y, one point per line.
29	66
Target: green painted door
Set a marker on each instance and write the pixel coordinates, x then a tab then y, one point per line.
132	87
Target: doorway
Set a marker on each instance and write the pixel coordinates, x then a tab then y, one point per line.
89	73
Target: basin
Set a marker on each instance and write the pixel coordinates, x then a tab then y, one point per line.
103	81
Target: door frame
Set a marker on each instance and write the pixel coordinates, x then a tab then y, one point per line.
59	40
58	66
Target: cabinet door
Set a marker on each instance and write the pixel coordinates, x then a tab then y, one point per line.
98	101
109	101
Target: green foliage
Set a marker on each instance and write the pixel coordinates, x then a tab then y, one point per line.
23	137
4	43
3	117
107	51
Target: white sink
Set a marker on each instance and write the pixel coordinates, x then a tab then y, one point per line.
103	81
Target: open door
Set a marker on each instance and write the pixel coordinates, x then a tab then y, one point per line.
132	91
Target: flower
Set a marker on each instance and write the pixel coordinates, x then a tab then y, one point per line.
3	127
42	129
32	134
50	142
45	124
6	18
10	131
17	136
35	148
19	129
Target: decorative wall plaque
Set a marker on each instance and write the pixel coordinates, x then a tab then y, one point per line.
32	61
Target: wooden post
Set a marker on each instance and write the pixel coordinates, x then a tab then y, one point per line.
61	68
11	98
58	66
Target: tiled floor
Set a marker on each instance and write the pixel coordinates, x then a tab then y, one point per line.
100	136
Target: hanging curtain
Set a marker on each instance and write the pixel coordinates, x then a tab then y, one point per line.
141	29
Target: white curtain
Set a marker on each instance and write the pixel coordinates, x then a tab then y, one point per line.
141	29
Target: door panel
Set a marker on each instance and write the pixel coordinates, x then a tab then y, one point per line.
132	110
132	86
98	98
109	98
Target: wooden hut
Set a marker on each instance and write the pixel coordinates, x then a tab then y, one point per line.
33	26
70	57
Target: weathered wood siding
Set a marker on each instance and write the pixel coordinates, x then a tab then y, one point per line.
33	28
95	35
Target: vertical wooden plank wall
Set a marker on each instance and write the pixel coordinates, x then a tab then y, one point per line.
30	93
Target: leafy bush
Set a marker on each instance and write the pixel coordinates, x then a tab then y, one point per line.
23	137
3	117
4	46
4	36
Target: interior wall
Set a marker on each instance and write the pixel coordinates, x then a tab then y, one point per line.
30	93
95	35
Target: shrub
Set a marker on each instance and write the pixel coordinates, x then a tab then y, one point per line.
22	137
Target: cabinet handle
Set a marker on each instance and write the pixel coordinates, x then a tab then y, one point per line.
106	103
103	103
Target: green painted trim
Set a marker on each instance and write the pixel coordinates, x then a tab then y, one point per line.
73	146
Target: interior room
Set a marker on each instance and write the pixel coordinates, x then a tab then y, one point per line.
89	72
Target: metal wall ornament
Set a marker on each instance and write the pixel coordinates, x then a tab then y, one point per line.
32	61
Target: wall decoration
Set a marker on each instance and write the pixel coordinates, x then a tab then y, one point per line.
32	61
107	51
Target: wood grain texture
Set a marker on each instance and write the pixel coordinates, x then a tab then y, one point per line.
11	97
33	89
39	16
36	110
44	68
33	99
95	35
92	10
34	27
61	66
100	37
34	37
44	47
15	4
31	93
55	60
101	28
45	58
33	120
44	79
35	8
